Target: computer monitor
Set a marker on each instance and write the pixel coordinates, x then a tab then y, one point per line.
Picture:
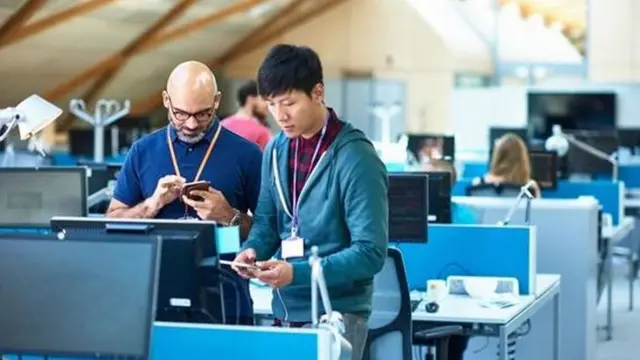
592	111
439	197
100	174
581	162
30	197
408	207
629	138
87	296
544	168
431	146
189	288
81	142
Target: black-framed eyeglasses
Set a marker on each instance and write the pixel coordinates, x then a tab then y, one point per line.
181	115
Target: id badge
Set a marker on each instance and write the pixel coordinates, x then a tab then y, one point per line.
292	247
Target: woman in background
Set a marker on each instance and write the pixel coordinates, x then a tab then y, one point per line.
510	164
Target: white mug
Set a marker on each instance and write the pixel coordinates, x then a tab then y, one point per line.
436	290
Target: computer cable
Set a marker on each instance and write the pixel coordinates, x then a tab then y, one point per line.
229	278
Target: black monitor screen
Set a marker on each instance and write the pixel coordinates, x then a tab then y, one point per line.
544	168
31	197
426	147
582	162
408	207
572	111
629	138
100	174
86	296
188	289
439	198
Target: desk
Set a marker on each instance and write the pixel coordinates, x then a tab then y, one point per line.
466	311
499	323
614	235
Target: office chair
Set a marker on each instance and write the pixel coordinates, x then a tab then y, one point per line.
390	320
390	329
481	188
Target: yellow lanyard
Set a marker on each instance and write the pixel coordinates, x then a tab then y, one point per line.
174	160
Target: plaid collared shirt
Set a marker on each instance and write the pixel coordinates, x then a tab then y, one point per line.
306	150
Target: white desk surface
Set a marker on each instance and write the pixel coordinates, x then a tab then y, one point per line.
618	232
458	309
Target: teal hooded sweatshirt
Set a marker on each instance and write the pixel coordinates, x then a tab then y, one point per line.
343	211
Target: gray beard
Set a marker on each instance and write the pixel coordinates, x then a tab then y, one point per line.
188	139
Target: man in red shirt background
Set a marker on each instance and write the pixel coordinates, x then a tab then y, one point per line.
251	119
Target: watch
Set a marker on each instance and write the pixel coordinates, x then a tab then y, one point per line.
235	220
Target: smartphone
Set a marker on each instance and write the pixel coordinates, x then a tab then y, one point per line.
196	185
242	265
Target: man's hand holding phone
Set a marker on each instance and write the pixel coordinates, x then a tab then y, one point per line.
247	257
167	190
209	203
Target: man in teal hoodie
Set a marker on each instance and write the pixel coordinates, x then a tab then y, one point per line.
323	185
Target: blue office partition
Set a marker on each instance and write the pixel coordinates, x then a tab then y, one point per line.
394	167
630	175
473	169
475	250
609	194
207	342
460	188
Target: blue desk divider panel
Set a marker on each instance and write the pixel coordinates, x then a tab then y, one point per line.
227	239
394	167
212	342
476	250
238	343
474	169
460	188
609	194
630	175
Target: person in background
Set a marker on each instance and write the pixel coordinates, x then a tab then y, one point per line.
510	164
249	122
460	214
324	185
193	146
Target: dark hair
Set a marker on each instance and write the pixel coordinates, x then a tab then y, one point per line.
287	68
247	90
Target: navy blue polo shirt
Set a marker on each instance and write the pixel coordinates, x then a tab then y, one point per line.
234	168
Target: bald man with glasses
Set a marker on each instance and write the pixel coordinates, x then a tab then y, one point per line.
192	147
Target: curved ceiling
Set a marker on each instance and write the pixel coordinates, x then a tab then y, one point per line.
124	49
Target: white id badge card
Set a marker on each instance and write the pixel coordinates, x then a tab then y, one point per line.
292	247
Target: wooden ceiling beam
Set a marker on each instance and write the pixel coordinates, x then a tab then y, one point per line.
100	67
214	18
19	18
131	49
286	12
550	14
54	20
155	100
109	69
313	12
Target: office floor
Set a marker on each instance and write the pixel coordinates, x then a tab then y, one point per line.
625	344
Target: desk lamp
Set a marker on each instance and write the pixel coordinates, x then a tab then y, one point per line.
332	320
559	142
30	116
524	194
